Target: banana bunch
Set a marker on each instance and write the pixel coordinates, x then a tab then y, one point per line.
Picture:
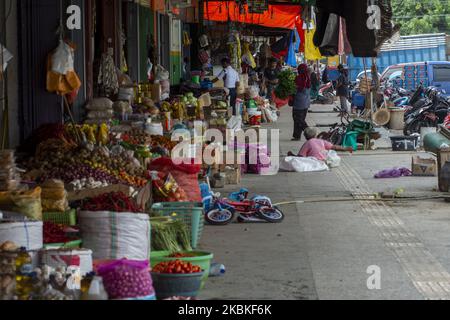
179	111
166	107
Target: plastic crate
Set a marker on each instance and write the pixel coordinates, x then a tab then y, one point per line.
68	218
191	213
68	245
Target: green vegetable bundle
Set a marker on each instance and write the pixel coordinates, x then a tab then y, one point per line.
170	235
286	86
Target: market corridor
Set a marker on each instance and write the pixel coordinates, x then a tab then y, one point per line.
324	248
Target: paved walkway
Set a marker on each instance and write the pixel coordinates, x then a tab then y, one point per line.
324	248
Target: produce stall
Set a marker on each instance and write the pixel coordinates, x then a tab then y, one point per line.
100	210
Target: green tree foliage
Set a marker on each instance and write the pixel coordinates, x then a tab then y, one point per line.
422	16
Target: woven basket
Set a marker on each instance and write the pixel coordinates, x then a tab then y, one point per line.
381	117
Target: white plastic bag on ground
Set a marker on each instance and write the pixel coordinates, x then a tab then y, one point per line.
63	59
333	160
300	164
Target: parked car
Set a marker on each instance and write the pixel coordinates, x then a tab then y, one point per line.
429	73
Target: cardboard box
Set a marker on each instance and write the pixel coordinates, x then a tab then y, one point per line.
232	176
90	193
423	166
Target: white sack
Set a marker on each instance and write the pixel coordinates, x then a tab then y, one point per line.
300	164
112	235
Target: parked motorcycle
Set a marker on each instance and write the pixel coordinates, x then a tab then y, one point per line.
326	94
431	114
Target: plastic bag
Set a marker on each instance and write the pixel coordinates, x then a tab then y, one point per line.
100	104
106	114
235	123
63	59
161	73
127	279
299	164
333	160
28	203
186	176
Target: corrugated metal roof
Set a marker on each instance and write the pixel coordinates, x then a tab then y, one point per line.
416	42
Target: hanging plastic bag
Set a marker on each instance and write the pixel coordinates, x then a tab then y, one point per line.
63	59
161	73
7	56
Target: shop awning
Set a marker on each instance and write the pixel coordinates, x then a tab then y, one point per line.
277	15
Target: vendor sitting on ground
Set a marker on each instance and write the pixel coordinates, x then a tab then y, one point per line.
317	148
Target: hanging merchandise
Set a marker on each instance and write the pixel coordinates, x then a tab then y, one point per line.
234	43
344	47
366	30
5	57
61	76
123	59
187	41
204	42
108	81
311	51
291	59
327	34
248	57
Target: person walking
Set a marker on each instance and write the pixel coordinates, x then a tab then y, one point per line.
315	83
271	78
302	101
231	80
342	88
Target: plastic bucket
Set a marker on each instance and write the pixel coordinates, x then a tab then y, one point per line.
426	130
201	259
176	285
397	121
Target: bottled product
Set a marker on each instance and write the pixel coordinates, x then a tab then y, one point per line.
96	290
24	270
217	270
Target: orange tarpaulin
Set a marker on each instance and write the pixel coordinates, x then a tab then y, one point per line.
277	16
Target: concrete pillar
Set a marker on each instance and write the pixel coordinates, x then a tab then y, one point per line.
8	37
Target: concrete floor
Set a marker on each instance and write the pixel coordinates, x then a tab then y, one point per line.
323	249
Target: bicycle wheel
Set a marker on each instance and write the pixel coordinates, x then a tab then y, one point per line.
219	217
271	214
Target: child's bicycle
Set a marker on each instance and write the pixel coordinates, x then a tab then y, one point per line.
220	211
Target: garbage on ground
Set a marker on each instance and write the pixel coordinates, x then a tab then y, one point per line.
393	173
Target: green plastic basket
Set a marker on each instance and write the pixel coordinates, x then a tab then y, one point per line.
68	218
68	245
191	213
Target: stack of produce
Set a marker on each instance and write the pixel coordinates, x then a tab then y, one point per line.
177	267
70	165
54	196
56	233
166	189
8	255
9	178
112	202
100	111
